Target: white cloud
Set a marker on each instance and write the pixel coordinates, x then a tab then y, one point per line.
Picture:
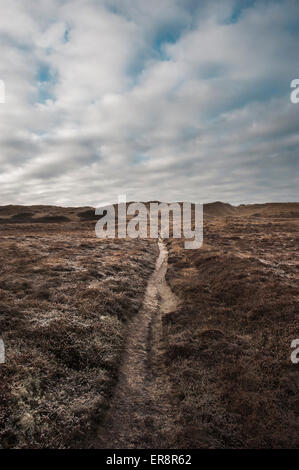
160	100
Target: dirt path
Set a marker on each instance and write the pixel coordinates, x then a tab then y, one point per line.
137	412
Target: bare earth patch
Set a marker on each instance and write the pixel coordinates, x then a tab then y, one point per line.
138	411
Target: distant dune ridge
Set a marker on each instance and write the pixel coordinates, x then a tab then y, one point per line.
17	214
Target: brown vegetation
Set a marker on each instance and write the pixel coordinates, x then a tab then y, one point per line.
221	375
227	349
65	298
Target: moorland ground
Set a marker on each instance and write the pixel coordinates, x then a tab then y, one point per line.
65	300
227	348
221	373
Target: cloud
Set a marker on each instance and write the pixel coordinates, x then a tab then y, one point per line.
163	100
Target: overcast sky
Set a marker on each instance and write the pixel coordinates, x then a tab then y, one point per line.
159	99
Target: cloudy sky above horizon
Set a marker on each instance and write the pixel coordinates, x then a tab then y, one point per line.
160	99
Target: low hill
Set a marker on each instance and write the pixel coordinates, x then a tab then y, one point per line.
17	214
273	209
219	209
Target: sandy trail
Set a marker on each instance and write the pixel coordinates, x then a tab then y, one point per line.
136	415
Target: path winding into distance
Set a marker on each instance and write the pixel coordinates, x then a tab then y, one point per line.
136	414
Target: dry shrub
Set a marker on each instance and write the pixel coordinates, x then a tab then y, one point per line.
227	349
64	334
